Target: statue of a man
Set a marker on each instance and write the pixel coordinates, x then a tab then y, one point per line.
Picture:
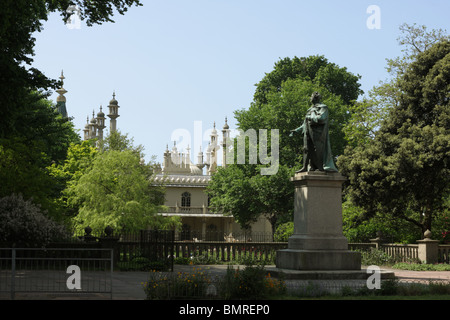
316	141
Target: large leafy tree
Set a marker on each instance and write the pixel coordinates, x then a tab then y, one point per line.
80	157
241	191
33	136
316	69
285	110
280	102
282	98
117	191
19	20
404	170
25	158
368	114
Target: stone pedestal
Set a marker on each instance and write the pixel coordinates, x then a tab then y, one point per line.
318	242
428	249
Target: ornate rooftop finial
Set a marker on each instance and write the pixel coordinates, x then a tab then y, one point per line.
226	124
61	99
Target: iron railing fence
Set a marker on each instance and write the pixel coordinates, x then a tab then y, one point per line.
55	271
210	252
133	251
444	253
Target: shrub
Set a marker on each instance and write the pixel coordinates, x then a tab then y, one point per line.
422	266
250	283
22	222
181	285
283	232
376	257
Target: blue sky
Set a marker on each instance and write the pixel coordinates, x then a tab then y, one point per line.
173	63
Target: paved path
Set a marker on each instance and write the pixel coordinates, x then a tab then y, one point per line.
129	285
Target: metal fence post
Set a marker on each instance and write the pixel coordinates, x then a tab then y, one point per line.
13	273
111	273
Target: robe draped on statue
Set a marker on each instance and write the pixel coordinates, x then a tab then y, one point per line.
316	140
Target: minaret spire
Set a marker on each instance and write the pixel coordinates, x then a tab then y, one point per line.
61	99
113	113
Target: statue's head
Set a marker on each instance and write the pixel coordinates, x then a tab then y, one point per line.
315	97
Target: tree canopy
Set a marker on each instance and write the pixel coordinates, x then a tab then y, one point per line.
19	20
404	170
241	191
280	102
316	69
117	191
34	137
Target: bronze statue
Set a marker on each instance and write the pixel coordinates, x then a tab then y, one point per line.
316	140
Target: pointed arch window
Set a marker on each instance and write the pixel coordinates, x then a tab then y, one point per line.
185	199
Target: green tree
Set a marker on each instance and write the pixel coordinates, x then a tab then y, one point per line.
26	157
231	192
285	110
282	97
404	170
316	69
368	114
118	191
280	102
19	20
33	135
80	157
120	142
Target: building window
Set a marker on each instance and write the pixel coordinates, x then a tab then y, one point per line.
185	199
185	233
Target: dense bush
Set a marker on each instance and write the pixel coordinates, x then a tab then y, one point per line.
283	232
165	286
376	257
24	224
250	283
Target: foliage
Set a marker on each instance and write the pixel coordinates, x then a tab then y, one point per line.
283	232
403	171
250	283
120	142
280	102
25	157
181	285
421	266
24	223
376	257
315	69
80	157
365	120
230	191
358	229
285	110
241	191
117	191
441	225
33	136
19	20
